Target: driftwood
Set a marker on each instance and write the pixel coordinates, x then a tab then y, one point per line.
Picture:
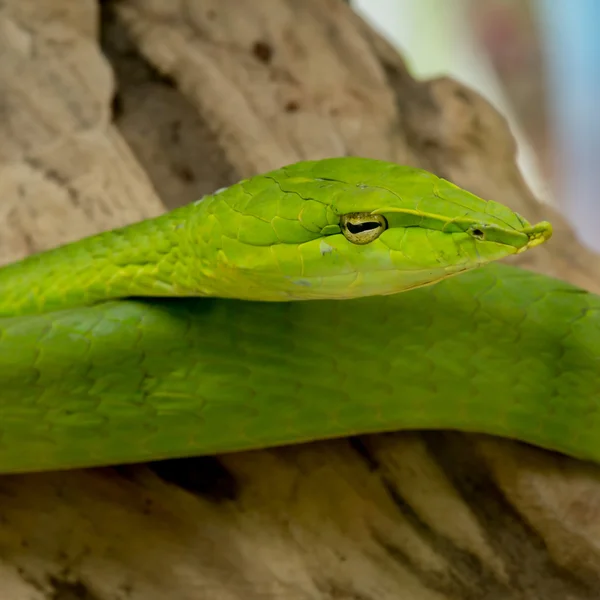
111	112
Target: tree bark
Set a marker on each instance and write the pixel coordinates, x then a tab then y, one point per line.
114	111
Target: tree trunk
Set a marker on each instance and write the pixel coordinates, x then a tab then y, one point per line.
112	112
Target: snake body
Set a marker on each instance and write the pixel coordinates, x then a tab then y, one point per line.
269	314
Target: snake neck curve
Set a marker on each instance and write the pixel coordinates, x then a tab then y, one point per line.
155	257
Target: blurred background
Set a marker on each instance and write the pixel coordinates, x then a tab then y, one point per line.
538	62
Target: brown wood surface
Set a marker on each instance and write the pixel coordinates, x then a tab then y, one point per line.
112	111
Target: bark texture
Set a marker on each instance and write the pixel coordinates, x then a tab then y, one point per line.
112	112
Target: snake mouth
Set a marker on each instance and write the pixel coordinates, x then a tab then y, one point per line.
537	234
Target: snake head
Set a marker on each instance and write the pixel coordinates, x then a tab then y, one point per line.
351	227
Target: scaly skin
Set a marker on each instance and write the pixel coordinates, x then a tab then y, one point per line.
277	237
498	350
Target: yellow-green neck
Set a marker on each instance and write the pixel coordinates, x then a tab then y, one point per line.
143	259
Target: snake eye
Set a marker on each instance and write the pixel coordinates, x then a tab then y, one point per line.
362	228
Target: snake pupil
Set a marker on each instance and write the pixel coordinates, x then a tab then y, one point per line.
360	227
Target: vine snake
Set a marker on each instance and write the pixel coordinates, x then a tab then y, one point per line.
324	299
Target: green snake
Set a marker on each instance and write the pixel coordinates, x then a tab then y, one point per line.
269	313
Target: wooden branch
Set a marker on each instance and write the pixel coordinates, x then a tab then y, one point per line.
173	100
